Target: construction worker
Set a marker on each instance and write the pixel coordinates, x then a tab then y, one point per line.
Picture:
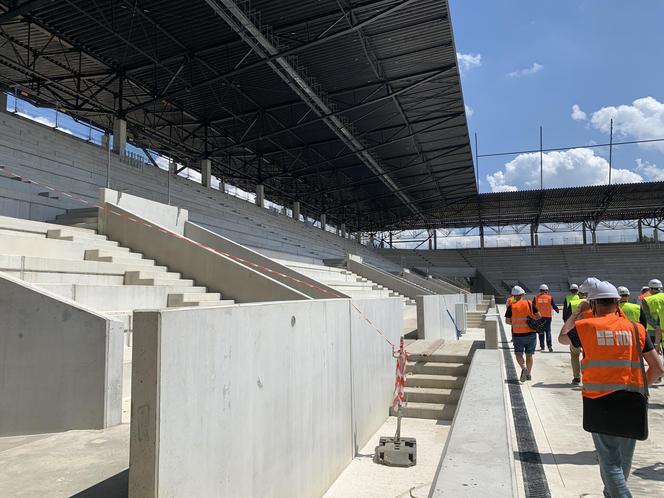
612	373
510	300
632	311
652	307
645	292
544	303
524	337
569	298
574	351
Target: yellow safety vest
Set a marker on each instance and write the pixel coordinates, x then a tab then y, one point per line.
632	311
654	305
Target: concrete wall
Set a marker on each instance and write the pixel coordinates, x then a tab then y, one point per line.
437	287
61	364
478	457
216	272
383	278
261	400
170	217
267	266
433	320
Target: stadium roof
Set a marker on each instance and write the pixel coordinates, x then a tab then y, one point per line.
561	205
352	106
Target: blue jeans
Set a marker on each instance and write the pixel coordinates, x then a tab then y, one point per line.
615	462
547	332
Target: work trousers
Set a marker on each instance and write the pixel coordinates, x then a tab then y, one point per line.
615	462
545	332
576	363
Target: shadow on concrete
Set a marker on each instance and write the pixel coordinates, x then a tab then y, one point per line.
654	472
569	386
656	406
116	486
580	458
444	422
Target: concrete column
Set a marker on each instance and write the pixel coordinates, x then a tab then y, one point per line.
435	239
119	136
585	236
655	235
323	221
3	102
343	230
105	139
481	236
640	225
206	172
260	195
296	210
593	233
533	235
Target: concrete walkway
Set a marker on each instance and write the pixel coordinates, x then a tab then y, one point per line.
566	450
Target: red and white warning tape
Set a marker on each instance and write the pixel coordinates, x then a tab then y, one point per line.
400	379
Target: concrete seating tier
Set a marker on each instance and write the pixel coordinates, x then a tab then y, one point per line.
79	264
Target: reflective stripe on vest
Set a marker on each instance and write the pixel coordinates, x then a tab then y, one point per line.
611	359
521	310
544	305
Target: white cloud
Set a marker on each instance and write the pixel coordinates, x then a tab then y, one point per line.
469	110
45	121
578	114
642	120
468	61
569	168
649	171
535	68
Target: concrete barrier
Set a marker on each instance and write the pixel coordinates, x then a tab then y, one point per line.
310	287
264	400
216	272
171	217
477	459
437	287
61	364
433	320
385	279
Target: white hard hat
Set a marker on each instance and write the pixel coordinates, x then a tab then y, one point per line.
597	289
573	287
655	284
623	291
544	287
517	291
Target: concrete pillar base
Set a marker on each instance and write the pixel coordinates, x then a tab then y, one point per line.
260	195
296	210
3	102
119	136
323	221
206	172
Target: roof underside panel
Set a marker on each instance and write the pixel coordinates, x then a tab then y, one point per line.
387	143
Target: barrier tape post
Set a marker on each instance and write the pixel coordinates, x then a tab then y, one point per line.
399	384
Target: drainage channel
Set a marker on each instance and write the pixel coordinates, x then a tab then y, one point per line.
534	477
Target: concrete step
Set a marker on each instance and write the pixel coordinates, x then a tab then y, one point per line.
439	358
435	381
114	297
11	262
162	282
180	298
51	248
121	260
75	220
29	226
136	277
176	302
431	395
434	411
431	368
38	278
60	233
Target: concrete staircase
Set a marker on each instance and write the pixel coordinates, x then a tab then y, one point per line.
433	385
475	319
81	265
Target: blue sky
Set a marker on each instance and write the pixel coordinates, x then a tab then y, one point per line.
539	59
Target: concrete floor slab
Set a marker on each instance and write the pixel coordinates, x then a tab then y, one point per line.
75	463
365	479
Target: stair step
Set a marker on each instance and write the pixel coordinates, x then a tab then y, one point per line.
64	234
175	301
182	282
431	395
123	261
436	368
131	277
434	411
72	220
436	381
439	358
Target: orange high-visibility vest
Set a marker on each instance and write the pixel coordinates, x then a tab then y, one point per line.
644	295
510	300
611	359
521	310
544	306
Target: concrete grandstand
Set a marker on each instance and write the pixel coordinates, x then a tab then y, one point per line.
163	337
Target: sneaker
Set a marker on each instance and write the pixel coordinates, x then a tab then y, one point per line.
576	381
529	377
550	349
542	348
524	375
